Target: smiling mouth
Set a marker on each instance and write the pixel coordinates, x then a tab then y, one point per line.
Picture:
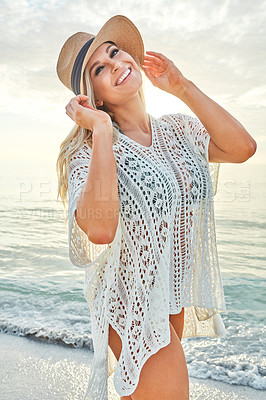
123	77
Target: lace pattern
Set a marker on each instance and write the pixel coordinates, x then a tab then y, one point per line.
163	257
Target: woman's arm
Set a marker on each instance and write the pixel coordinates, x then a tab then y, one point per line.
98	204
97	210
230	142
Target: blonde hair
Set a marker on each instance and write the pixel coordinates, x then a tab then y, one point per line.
76	138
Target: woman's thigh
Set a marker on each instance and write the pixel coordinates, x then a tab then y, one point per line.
177	320
164	376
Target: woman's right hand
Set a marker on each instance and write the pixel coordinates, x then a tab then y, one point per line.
86	116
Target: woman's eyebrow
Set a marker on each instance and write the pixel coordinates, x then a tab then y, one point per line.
97	62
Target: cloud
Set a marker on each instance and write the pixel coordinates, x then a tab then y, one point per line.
255	97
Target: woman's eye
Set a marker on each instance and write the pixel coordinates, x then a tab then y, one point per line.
98	70
114	52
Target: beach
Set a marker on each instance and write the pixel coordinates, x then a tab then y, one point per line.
31	369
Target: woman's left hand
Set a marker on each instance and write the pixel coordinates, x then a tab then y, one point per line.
162	72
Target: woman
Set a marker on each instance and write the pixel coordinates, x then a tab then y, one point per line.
141	210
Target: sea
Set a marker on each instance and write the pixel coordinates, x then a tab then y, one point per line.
41	292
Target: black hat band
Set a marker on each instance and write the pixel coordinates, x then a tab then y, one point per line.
76	71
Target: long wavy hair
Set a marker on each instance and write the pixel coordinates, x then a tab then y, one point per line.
76	138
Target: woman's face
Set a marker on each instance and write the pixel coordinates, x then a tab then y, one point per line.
115	75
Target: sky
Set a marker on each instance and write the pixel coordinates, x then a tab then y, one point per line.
219	45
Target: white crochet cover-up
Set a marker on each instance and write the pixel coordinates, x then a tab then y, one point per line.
163	256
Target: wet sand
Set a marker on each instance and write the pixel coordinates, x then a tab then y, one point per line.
34	370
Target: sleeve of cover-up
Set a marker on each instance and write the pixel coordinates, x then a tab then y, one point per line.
82	252
198	136
195	132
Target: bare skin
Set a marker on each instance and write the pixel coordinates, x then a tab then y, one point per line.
164	375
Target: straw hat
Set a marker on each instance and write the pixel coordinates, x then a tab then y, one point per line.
79	47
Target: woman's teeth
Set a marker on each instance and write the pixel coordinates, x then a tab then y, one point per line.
120	80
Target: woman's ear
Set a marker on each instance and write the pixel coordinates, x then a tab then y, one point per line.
99	103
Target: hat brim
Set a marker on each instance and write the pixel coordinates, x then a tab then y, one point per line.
120	30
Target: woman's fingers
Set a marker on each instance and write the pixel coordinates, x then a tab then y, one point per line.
73	107
80	101
86	104
156	69
151	62
159	55
84	114
81	97
70	111
150	69
154	63
152	59
151	74
150	66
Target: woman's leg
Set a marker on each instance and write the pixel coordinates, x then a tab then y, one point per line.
164	376
177	320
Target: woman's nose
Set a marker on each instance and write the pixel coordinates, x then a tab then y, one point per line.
116	65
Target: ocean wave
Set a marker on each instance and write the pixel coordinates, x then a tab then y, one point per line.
64	338
237	359
241	370
232	372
